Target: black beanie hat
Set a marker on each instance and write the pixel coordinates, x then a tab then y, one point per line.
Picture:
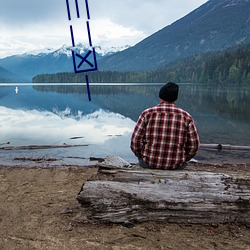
169	92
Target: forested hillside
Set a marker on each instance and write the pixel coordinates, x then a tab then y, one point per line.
230	66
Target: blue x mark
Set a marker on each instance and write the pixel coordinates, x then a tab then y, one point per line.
84	59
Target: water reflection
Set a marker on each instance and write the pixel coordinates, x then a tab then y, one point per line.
101	131
228	101
222	114
29	127
54	114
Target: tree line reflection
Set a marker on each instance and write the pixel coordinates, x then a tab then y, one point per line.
130	100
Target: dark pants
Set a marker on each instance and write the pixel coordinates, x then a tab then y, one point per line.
145	165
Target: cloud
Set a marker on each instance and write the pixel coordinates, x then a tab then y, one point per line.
25	12
44	23
144	15
147	16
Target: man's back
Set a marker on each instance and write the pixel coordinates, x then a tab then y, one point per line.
165	136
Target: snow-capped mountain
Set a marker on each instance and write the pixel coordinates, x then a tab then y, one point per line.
51	60
80	48
104	51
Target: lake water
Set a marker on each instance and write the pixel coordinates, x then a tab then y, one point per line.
62	114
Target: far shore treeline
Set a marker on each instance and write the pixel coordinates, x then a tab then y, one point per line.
231	66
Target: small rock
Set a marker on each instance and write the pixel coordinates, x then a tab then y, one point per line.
70	227
128	224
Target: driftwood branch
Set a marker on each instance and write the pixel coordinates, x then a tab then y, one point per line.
120	195
37	160
29	147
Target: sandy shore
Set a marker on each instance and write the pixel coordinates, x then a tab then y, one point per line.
38	210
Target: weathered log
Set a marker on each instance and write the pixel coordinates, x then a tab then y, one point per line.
120	195
224	147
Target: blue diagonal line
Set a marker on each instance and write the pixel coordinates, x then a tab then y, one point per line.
90	42
77	9
87	8
87	82
72	36
67	3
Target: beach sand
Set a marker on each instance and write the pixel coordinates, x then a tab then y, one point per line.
39	210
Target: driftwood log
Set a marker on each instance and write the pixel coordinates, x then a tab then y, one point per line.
29	147
224	147
119	195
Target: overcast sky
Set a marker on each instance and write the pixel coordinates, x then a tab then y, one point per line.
27	25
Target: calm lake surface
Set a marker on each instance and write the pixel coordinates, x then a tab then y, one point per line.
62	114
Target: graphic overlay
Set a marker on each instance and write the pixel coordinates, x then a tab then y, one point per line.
87	62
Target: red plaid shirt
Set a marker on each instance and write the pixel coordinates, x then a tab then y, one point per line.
165	136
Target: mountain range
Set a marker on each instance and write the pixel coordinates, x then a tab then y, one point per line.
48	61
7	76
214	26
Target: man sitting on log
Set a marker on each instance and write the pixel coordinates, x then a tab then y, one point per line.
165	136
